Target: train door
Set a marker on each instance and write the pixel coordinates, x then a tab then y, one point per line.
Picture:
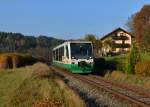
66	54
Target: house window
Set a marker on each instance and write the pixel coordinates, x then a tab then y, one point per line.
121	34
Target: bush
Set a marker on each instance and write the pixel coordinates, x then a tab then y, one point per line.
121	66
143	68
99	66
40	70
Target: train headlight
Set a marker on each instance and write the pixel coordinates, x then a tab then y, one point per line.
91	63
73	62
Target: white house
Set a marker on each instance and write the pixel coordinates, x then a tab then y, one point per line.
116	41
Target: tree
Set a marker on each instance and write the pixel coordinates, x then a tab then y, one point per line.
90	37
134	57
139	22
36	46
97	44
98	47
129	24
108	44
146	40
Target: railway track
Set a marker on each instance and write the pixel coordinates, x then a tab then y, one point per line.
143	92
112	89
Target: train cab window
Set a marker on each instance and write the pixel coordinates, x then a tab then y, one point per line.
81	50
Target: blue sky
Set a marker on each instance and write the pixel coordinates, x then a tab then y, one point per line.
66	19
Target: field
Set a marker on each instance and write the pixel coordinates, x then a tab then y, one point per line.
35	86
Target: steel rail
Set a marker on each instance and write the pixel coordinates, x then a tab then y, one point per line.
125	86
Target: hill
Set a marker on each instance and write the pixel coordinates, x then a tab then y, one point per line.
40	46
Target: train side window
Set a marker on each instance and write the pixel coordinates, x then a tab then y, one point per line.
67	54
57	55
63	51
60	54
53	55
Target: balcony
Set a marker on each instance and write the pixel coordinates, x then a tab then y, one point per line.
115	37
121	45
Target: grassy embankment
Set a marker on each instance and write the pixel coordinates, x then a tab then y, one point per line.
35	86
120	68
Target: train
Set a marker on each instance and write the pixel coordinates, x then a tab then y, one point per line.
75	56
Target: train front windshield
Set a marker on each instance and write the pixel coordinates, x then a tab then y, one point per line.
81	50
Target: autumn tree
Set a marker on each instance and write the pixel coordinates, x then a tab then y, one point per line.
139	24
146	40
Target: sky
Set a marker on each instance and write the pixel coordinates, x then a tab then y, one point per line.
66	19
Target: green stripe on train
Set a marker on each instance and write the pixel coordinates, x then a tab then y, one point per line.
74	67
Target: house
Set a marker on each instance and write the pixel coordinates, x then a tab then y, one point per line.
117	41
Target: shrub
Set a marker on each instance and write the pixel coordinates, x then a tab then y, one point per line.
143	68
15	60
5	62
27	60
40	70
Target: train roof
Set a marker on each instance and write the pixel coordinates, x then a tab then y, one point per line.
71	41
78	41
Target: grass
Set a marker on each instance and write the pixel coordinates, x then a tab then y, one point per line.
137	80
10	80
26	87
143	82
119	58
120	62
145	56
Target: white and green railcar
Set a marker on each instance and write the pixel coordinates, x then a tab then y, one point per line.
76	56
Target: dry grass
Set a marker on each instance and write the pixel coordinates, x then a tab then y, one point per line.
40	70
135	80
143	68
70	97
22	89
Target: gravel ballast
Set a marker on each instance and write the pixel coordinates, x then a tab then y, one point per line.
92	96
